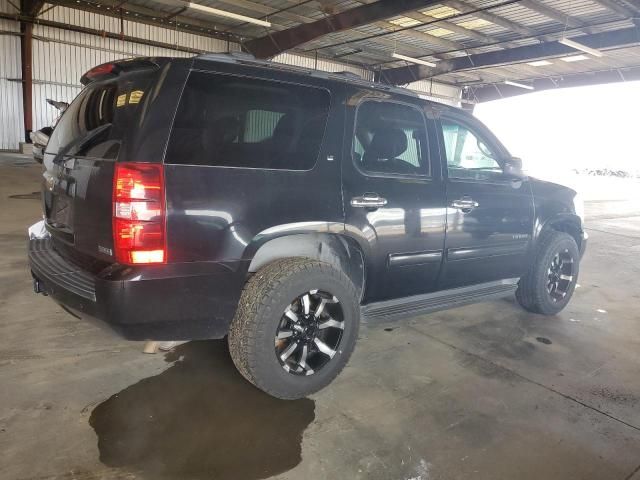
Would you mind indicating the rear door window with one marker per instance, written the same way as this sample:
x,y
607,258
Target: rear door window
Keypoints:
x,y
102,115
390,138
231,121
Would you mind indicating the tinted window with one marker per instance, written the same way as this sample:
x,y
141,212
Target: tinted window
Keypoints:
x,y
98,120
390,138
468,155
231,121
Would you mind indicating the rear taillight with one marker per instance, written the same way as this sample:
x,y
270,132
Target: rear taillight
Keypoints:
x,y
139,213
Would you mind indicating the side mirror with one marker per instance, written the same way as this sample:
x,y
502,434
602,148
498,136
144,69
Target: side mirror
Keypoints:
x,y
513,167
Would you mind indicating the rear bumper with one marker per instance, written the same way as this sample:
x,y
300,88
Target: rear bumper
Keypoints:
x,y
166,302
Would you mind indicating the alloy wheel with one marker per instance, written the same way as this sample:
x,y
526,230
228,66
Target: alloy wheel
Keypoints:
x,y
560,275
309,332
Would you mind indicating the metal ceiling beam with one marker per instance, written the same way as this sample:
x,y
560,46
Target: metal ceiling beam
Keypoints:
x,y
31,8
452,27
278,42
554,14
491,17
150,16
603,40
615,7
495,92
422,36
632,4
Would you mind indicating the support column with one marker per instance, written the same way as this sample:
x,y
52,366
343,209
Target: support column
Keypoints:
x,y
26,43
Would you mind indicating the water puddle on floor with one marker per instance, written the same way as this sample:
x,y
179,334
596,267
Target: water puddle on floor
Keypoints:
x,y
200,419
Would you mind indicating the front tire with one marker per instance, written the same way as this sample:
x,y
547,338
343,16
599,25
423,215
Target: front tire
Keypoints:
x,y
549,285
295,327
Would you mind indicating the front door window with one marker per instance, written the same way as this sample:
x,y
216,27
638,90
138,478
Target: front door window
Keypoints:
x,y
468,155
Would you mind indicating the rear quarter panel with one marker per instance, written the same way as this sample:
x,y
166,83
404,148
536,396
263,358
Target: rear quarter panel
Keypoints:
x,y
224,214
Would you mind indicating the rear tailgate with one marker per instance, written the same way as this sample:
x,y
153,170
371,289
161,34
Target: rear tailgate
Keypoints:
x,y
109,121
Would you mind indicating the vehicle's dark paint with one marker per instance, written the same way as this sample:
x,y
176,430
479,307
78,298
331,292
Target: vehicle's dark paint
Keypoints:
x,y
218,213
404,239
333,248
77,192
224,223
170,302
491,241
553,204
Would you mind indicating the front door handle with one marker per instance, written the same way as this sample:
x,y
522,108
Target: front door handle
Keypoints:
x,y
465,204
368,200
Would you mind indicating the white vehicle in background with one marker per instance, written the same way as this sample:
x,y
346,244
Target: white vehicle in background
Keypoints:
x,y
40,138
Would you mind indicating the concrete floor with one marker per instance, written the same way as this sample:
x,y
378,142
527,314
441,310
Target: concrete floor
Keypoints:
x,y
484,392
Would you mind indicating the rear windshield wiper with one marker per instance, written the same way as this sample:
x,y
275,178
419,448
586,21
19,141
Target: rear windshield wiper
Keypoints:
x,y
79,143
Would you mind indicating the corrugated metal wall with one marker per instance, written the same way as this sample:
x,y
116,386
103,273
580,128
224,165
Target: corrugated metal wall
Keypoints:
x,y
10,82
61,56
321,64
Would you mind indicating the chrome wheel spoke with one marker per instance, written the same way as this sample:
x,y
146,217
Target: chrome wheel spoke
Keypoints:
x,y
320,308
282,334
290,315
289,350
306,304
331,323
324,348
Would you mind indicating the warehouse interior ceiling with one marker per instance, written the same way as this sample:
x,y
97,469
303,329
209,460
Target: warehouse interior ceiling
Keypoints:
x,y
476,45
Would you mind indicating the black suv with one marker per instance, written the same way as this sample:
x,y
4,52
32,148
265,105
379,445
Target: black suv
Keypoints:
x,y
221,195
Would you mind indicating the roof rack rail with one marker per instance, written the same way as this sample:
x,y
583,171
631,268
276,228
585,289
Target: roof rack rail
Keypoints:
x,y
347,73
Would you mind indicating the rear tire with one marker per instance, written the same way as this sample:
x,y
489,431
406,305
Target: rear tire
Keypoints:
x,y
551,280
289,358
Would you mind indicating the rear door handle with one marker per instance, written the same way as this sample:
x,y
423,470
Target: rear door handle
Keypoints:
x,y
466,204
368,200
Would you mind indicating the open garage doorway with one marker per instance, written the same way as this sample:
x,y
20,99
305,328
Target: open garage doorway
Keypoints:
x,y
584,137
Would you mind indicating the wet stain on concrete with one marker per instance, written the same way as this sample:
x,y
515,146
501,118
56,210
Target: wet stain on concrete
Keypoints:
x,y
486,368
616,396
544,340
26,196
200,419
501,338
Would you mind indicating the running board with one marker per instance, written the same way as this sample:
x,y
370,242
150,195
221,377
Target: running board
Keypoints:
x,y
432,302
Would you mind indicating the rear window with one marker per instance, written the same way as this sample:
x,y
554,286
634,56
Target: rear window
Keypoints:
x,y
231,121
101,116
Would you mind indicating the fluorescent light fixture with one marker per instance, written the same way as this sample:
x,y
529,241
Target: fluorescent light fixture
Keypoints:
x,y
540,63
439,32
583,48
413,60
574,58
473,24
519,85
405,22
222,13
440,12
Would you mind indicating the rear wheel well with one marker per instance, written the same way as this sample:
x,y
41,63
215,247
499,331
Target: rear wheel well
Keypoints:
x,y
337,250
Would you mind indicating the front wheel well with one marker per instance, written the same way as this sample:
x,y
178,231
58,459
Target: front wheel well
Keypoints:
x,y
337,250
568,226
